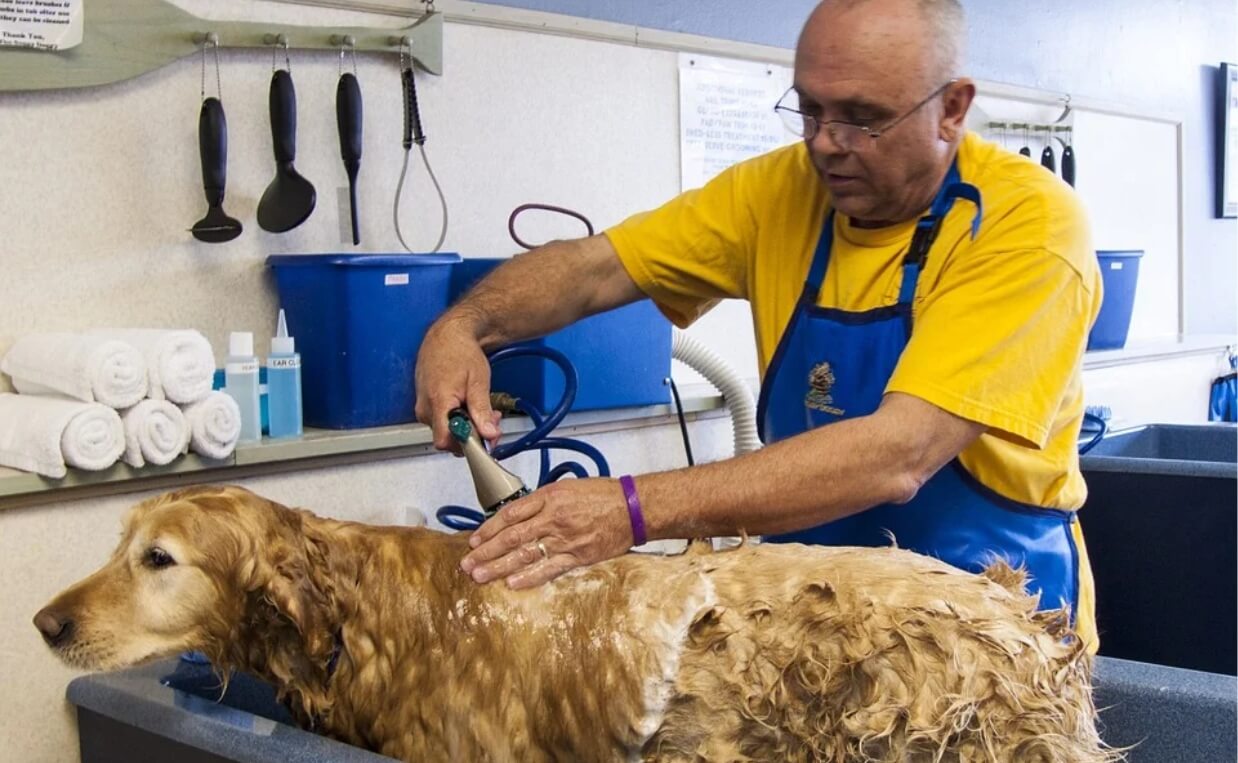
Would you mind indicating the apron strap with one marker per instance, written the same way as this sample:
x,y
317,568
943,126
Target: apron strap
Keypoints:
x,y
922,240
820,258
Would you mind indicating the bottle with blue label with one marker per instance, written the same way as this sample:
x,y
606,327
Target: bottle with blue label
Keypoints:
x,y
241,383
283,384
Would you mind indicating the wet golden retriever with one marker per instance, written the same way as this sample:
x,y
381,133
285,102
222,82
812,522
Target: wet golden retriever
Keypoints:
x,y
775,653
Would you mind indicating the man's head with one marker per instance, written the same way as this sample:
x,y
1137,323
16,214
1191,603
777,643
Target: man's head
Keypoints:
x,y
870,63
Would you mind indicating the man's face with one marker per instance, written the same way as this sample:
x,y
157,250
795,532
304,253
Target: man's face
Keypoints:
x,y
869,65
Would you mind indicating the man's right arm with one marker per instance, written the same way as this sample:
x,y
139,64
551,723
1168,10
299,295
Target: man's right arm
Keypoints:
x,y
531,295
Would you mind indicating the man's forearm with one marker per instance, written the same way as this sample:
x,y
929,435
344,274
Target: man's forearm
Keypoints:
x,y
544,290
808,480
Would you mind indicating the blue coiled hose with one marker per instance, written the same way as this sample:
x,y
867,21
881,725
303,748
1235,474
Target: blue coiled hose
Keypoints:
x,y
464,518
1101,431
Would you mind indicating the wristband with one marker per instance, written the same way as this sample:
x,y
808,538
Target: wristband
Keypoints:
x,y
634,510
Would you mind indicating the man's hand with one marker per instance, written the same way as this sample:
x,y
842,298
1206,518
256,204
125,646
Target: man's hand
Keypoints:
x,y
452,372
560,527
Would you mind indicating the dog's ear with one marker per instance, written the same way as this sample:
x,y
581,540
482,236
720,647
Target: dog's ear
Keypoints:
x,y
294,587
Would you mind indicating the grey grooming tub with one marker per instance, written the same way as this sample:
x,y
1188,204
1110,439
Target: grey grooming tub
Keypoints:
x,y
1173,715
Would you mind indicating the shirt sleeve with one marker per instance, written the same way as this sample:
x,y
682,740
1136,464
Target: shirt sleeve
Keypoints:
x,y
999,340
694,250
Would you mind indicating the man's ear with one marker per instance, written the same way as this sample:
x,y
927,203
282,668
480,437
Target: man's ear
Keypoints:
x,y
957,101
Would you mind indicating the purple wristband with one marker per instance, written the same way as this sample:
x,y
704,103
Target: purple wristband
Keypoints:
x,y
634,513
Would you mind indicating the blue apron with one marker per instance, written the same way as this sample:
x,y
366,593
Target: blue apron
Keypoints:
x,y
834,364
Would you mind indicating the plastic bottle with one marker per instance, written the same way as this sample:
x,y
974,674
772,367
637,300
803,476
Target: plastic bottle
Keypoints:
x,y
283,384
241,383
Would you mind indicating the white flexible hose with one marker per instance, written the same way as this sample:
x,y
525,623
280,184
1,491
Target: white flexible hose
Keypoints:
x,y
735,393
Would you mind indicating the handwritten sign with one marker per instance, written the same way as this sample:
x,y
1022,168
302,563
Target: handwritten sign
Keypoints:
x,y
43,24
726,114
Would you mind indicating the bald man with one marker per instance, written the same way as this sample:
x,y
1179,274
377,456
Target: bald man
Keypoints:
x,y
921,300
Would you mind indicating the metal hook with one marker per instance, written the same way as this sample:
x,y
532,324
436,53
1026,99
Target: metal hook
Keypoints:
x,y
1065,111
276,40
346,43
406,51
211,39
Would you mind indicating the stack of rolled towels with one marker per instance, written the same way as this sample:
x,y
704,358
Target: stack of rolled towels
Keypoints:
x,y
89,399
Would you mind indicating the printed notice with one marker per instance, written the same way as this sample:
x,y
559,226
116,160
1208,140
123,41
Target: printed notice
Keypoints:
x,y
43,24
726,114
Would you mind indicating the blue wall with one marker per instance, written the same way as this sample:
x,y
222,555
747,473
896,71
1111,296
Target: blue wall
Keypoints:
x,y
1147,53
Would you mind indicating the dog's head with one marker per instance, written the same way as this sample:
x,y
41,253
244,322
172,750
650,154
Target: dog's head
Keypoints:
x,y
204,568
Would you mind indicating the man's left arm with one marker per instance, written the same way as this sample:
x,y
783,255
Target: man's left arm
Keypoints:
x,y
807,480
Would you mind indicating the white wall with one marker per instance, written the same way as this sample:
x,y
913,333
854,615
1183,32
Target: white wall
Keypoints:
x,y
1169,391
101,185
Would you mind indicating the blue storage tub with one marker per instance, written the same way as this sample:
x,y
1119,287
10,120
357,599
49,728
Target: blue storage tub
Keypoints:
x,y
622,356
1120,273
358,321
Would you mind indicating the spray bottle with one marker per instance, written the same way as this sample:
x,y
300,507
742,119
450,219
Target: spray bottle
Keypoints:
x,y
284,384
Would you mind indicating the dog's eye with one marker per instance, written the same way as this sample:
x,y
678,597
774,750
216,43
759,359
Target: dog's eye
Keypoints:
x,y
157,558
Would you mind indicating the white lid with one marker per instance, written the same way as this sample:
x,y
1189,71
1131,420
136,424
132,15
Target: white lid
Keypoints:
x,y
241,344
281,343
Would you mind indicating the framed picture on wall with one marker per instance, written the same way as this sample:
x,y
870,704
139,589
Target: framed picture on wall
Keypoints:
x,y
1227,142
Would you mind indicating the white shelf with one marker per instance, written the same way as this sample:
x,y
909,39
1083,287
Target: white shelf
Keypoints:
x,y
325,446
1159,349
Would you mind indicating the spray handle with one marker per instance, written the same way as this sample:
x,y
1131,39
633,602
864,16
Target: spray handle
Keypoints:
x,y
495,485
460,425
412,113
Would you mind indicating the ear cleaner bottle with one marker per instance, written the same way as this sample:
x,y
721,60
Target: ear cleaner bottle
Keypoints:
x,y
241,383
284,384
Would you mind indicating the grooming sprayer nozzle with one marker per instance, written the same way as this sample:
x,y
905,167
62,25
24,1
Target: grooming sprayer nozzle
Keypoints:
x,y
495,485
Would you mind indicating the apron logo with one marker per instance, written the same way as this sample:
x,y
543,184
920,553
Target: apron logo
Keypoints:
x,y
820,382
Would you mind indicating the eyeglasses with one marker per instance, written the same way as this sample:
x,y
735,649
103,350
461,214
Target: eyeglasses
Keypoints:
x,y
846,135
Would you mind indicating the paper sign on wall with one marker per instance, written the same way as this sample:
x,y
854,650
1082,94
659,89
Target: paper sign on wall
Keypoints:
x,y
43,24
726,114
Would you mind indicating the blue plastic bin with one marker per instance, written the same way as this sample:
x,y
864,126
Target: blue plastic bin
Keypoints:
x,y
358,321
1120,273
621,356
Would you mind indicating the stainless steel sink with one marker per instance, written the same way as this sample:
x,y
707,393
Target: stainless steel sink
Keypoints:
x,y
1200,450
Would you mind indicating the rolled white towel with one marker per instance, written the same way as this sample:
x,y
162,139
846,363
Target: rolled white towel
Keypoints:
x,y
180,364
155,432
214,425
93,369
43,434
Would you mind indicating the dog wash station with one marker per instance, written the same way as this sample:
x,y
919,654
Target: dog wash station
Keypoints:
x,y
1164,682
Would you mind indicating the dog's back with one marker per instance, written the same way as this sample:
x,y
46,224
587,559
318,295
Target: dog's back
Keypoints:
x,y
832,654
776,653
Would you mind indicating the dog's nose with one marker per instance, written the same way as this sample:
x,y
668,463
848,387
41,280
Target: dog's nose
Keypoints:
x,y
56,627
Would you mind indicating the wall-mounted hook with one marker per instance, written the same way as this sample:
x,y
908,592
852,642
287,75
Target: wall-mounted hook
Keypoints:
x,y
276,41
1065,110
347,44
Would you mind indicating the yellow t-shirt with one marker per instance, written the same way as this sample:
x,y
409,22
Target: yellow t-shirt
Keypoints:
x,y
1000,323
